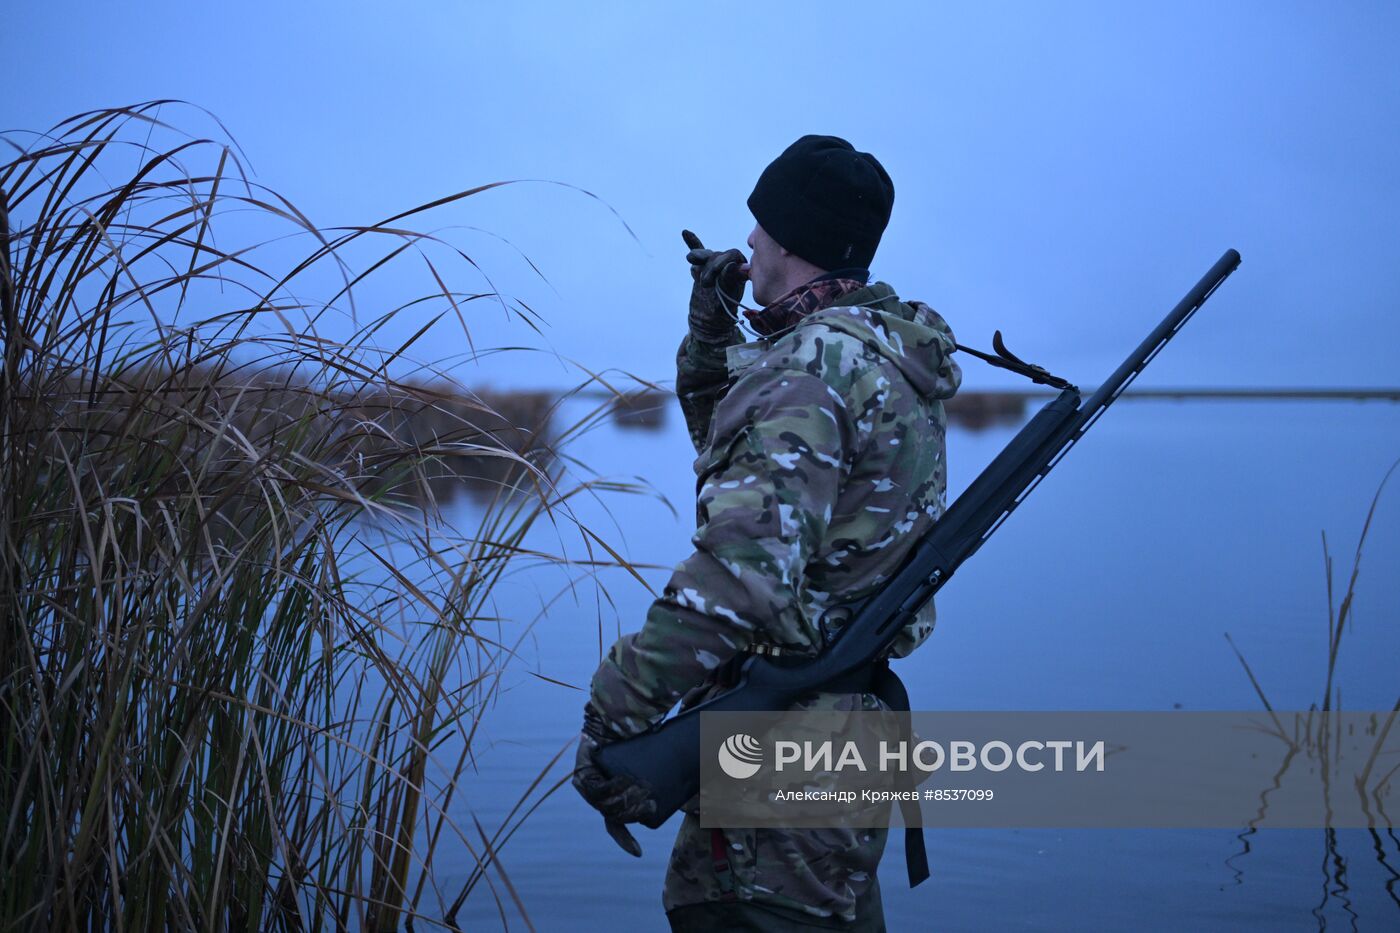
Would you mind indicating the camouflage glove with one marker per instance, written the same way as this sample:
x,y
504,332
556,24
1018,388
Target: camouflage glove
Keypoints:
x,y
718,289
619,799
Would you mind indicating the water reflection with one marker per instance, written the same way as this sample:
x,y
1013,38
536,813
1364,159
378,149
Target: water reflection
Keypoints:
x,y
1315,745
1316,742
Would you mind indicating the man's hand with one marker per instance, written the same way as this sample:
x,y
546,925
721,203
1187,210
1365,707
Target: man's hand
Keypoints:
x,y
718,289
619,799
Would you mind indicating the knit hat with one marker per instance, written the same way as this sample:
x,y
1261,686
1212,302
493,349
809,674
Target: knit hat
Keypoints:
x,y
824,201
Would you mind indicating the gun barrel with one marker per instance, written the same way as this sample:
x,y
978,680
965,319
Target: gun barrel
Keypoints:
x,y
1113,386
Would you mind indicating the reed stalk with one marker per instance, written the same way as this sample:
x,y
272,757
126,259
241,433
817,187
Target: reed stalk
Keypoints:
x,y
242,652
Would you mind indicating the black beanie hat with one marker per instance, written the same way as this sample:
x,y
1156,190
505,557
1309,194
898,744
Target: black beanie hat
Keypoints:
x,y
824,201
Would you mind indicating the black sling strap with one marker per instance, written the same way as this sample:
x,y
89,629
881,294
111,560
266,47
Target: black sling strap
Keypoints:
x,y
881,680
886,685
1005,359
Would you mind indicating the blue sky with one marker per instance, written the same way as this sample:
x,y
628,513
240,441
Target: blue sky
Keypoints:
x,y
1063,171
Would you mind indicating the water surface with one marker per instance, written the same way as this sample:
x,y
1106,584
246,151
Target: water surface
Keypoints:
x,y
1111,588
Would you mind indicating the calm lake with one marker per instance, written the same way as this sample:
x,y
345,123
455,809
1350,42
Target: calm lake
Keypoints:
x,y
1111,588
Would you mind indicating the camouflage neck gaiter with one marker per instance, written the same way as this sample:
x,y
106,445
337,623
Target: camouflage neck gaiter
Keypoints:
x,y
803,300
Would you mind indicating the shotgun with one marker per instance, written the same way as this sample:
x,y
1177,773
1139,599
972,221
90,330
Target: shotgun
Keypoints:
x,y
666,759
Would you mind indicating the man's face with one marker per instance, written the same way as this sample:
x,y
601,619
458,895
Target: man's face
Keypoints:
x,y
764,266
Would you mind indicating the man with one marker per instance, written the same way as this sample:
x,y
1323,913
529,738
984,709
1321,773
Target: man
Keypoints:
x,y
821,461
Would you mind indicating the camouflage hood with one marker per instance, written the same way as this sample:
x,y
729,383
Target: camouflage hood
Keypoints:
x,y
911,335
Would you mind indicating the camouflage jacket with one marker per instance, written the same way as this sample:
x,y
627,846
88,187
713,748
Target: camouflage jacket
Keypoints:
x,y
821,460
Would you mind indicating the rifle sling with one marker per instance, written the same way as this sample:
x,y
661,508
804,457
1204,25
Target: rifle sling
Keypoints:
x,y
881,680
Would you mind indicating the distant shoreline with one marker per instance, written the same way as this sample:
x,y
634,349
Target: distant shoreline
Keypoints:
x,y
979,409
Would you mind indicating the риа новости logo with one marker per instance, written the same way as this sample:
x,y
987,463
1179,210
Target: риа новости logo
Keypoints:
x,y
740,756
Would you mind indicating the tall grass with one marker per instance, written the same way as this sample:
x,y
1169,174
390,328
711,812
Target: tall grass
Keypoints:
x,y
1315,739
1340,617
239,639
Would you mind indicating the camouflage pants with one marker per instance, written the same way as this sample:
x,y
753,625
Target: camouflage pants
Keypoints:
x,y
745,916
